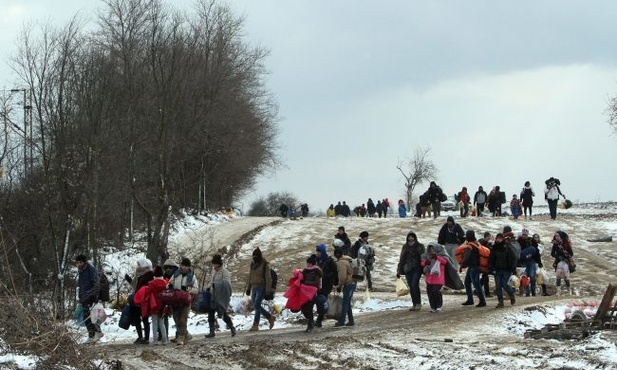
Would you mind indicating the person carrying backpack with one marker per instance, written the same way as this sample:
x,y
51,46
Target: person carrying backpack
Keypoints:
x,y
259,284
362,250
88,283
551,194
410,265
347,285
328,280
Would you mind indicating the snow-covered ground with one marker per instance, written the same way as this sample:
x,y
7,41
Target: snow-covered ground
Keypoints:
x,y
507,327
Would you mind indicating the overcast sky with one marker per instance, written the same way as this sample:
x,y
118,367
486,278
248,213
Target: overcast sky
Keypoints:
x,y
501,92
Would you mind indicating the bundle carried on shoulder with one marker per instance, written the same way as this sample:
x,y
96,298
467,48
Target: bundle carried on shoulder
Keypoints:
x,y
484,252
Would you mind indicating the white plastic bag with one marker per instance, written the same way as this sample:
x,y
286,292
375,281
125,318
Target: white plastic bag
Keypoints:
x,y
97,314
436,268
401,288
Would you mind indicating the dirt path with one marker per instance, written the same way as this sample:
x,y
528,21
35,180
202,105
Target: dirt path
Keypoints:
x,y
392,339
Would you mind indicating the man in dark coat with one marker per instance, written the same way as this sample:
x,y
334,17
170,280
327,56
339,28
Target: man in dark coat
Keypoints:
x,y
88,282
451,235
329,279
502,263
471,261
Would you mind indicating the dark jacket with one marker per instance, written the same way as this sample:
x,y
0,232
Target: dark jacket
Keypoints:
x,y
312,276
451,235
502,258
410,258
471,258
88,282
329,271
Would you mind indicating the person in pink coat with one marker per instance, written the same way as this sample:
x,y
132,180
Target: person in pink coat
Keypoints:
x,y
434,280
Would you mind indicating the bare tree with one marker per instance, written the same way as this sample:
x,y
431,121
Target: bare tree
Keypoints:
x,y
417,170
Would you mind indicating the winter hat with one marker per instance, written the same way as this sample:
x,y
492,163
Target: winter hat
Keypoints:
x,y
470,235
450,218
525,232
338,252
312,259
364,234
144,263
217,259
170,263
507,229
321,248
185,262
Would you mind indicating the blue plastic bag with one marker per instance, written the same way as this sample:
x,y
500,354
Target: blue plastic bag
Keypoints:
x,y
78,315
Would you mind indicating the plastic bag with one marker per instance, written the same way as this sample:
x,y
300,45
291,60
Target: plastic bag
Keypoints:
x,y
513,281
335,306
401,288
540,277
435,268
78,315
97,314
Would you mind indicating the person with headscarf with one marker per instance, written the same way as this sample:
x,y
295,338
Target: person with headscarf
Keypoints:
x,y
144,275
410,265
435,276
329,279
220,296
259,283
562,252
311,276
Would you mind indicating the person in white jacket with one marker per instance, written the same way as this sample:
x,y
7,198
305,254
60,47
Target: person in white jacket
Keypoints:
x,y
551,194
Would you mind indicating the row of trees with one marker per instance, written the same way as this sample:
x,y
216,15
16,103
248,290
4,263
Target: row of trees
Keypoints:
x,y
150,111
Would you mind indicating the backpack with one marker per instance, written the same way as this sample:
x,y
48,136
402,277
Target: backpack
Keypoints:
x,y
442,197
274,278
484,252
358,269
367,254
103,287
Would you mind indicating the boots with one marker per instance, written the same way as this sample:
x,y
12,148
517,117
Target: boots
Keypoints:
x,y
255,327
481,304
211,334
180,340
319,320
309,326
500,304
512,298
230,325
271,321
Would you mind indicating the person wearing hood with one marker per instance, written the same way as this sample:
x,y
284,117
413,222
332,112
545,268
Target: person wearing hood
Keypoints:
x,y
527,195
346,285
148,298
451,235
259,283
502,263
312,276
479,200
329,279
463,200
562,252
220,296
435,276
144,275
363,250
183,279
410,265
471,261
